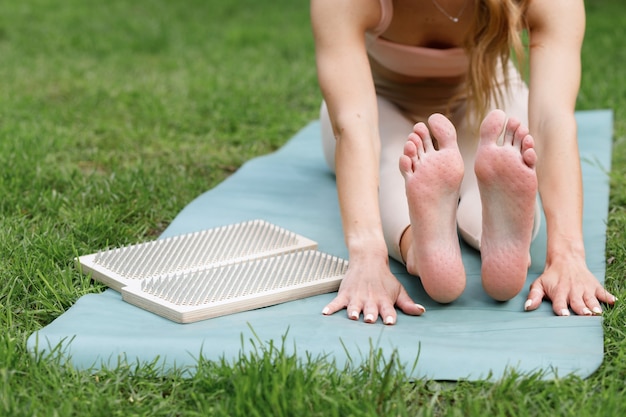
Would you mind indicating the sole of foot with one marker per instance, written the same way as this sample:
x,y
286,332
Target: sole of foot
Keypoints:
x,y
433,176
508,186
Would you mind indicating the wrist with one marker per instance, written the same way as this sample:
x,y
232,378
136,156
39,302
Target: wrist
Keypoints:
x,y
368,248
565,248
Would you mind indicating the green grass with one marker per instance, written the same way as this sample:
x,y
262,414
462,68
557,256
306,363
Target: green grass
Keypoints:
x,y
114,115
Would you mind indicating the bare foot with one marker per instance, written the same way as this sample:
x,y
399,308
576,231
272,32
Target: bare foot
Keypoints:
x,y
433,178
508,186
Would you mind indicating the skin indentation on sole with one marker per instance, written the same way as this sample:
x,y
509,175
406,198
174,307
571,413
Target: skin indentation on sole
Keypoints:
x,y
433,178
508,187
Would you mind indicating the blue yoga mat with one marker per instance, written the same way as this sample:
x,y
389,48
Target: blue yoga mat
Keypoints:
x,y
473,338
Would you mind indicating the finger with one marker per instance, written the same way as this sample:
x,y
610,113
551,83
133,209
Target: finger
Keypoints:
x,y
591,301
408,306
559,304
601,295
354,310
558,296
578,304
389,315
535,296
604,296
370,313
338,303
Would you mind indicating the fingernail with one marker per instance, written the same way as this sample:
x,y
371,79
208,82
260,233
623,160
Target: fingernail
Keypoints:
x,y
354,315
421,307
597,310
565,312
369,318
527,304
389,320
325,310
587,312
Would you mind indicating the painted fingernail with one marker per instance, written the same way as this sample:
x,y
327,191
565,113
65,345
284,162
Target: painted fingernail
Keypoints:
x,y
369,318
389,320
325,310
587,312
565,312
597,310
527,304
354,315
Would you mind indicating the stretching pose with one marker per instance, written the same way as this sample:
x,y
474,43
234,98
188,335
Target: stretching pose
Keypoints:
x,y
424,122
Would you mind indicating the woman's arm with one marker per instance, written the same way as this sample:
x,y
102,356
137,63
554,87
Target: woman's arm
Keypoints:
x,y
346,83
556,33
345,79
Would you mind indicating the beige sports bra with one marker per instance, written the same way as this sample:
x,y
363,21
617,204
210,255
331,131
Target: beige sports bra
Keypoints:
x,y
413,61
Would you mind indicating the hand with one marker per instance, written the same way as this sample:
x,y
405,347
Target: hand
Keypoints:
x,y
568,282
370,288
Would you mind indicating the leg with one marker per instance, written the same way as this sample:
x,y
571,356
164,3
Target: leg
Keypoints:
x,y
433,177
508,186
394,127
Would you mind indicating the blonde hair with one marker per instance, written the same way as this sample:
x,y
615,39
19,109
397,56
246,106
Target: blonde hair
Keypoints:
x,y
496,32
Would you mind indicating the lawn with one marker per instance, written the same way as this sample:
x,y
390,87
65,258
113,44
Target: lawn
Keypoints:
x,y
114,115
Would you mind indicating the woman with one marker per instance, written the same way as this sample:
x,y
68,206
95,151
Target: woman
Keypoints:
x,y
436,71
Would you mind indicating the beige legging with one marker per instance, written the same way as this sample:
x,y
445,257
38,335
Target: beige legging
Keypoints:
x,y
394,126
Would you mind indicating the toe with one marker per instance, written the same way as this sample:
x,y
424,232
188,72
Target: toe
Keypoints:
x,y
443,130
409,159
511,132
416,140
406,165
422,132
528,152
520,135
492,126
